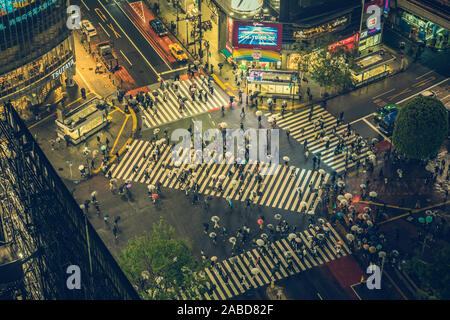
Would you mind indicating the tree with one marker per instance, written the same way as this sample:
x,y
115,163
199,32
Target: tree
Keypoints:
x,y
432,273
420,128
161,265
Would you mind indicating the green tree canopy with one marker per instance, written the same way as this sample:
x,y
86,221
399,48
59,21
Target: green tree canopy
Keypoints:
x,y
160,262
420,128
432,273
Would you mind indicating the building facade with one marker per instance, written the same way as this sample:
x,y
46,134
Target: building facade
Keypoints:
x,y
36,51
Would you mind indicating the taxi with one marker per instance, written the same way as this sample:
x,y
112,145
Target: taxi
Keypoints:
x,y
177,52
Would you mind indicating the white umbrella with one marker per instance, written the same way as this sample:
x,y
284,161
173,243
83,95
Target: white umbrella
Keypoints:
x,y
320,236
213,258
382,254
82,206
372,157
311,212
344,202
340,197
156,131
350,237
255,271
258,113
277,216
81,167
145,275
292,236
374,140
260,242
234,182
264,236
215,219
177,163
348,196
321,221
303,204
229,198
326,138
212,234
223,125
285,158
318,199
232,240
369,223
341,183
362,186
270,226
321,171
354,228
222,177
366,216
151,187
373,194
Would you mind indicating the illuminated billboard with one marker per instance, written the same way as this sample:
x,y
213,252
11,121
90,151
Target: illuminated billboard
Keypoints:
x,y
254,35
8,6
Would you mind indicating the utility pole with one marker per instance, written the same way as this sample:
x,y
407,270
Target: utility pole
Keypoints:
x,y
200,24
360,24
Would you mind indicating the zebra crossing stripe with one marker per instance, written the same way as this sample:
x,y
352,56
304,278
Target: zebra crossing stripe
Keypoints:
x,y
293,254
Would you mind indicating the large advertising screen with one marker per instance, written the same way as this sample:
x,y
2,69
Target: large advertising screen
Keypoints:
x,y
8,6
257,35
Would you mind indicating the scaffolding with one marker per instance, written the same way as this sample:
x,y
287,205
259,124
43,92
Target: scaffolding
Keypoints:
x,y
46,228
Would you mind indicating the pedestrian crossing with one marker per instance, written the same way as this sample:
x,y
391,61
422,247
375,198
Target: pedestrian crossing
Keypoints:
x,y
287,188
302,127
275,261
168,111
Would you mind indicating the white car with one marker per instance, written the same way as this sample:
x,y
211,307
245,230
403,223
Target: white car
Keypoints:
x,y
88,28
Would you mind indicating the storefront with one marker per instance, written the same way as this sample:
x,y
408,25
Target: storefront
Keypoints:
x,y
369,41
422,30
372,67
273,83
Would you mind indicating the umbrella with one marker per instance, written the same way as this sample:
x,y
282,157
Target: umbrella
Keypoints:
x,y
270,226
428,212
326,138
229,198
151,187
369,223
350,237
395,252
354,228
223,125
340,243
362,186
373,194
255,271
287,254
260,221
311,212
285,158
318,199
258,113
156,131
429,219
365,216
103,148
379,246
382,254
222,177
340,183
372,249
212,234
81,167
359,231
320,236
292,236
340,197
277,216
82,206
155,196
298,240
303,204
326,229
232,240
366,246
348,196
321,221
177,163
264,236
129,186
234,182
372,157
213,258
215,219
228,154
321,171
340,214
344,202
260,242
366,209
421,220
374,140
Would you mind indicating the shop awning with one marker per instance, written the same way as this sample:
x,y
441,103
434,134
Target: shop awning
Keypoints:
x,y
226,53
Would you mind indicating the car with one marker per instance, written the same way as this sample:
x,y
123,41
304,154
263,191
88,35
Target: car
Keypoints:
x,y
88,28
384,111
158,27
177,52
387,122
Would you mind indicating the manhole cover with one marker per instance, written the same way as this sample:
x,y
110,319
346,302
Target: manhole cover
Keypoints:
x,y
60,169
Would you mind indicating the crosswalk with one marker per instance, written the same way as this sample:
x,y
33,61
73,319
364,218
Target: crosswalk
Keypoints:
x,y
168,111
302,128
227,276
280,189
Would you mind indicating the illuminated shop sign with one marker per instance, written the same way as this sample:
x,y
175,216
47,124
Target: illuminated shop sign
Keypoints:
x,y
31,13
257,35
368,33
317,31
8,6
349,43
246,6
60,71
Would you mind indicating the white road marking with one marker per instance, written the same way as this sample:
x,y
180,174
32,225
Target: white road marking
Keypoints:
x,y
357,120
126,57
424,75
174,70
320,297
383,93
104,29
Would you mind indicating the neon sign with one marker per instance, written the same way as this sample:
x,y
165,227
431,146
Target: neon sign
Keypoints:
x,y
29,14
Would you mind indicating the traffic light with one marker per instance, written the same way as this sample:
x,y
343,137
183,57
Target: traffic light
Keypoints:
x,y
83,93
